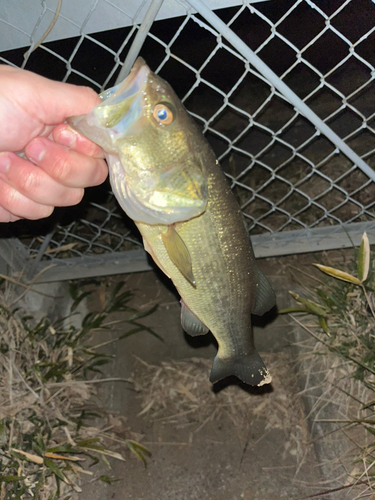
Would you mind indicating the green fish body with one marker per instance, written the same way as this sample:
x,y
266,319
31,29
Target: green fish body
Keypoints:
x,y
167,179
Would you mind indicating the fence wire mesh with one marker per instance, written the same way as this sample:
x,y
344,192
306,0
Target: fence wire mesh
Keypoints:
x,y
285,174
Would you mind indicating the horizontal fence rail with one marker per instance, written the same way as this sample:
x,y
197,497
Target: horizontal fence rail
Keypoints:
x,y
284,92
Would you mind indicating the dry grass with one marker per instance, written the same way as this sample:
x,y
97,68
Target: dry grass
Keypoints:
x,y
179,393
53,426
342,416
337,359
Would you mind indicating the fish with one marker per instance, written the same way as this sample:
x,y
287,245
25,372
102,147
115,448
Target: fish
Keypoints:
x,y
167,178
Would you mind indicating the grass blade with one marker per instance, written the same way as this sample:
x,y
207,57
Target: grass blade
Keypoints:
x,y
336,273
138,450
29,456
310,306
56,470
363,259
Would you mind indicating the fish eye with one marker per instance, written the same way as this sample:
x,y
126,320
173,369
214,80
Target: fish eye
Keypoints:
x,y
163,114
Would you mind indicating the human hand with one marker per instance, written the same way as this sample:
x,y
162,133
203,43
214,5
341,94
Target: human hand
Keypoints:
x,y
60,162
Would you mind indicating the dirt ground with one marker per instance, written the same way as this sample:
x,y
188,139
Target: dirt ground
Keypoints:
x,y
261,451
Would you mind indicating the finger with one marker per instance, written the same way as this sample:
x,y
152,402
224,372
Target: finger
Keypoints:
x,y
6,216
51,101
65,135
34,183
15,205
66,99
66,166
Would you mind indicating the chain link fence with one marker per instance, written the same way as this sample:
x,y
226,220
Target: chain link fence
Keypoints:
x,y
247,75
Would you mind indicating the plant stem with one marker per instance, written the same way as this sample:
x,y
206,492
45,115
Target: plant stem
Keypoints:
x,y
368,301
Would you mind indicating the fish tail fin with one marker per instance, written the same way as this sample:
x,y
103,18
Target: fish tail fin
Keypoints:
x,y
249,369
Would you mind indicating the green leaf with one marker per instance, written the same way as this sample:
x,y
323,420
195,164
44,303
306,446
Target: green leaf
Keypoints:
x,y
370,429
78,300
144,314
38,445
56,470
11,479
73,290
94,458
117,301
139,451
103,451
105,461
336,273
65,448
129,333
363,258
310,306
289,310
92,320
368,405
323,324
146,329
93,364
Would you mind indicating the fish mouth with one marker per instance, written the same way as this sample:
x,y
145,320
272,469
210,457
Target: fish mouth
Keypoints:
x,y
118,100
119,112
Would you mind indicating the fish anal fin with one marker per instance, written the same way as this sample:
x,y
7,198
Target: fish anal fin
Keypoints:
x,y
178,253
190,323
265,296
248,368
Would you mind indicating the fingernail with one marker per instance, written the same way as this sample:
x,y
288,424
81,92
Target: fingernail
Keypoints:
x,y
36,151
67,138
4,163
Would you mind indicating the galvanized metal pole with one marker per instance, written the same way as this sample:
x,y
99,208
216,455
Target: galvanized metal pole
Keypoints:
x,y
233,39
139,39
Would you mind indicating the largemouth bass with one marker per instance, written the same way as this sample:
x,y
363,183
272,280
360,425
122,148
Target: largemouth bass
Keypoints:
x,y
166,177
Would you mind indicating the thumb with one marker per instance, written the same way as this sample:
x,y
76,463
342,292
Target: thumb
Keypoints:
x,y
45,100
64,99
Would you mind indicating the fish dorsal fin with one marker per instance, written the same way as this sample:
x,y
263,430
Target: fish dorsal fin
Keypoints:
x,y
178,253
265,296
190,323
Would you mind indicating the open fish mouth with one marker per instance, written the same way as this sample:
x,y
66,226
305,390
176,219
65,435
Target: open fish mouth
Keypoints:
x,y
119,112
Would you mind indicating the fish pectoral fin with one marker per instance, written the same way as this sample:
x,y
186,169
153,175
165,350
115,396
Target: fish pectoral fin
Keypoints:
x,y
178,253
248,368
190,323
265,296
